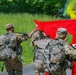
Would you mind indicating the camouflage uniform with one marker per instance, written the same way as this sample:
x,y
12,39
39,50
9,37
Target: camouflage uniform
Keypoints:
x,y
14,65
34,37
69,50
62,34
38,35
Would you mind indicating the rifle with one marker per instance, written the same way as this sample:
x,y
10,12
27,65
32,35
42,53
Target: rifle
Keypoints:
x,y
47,61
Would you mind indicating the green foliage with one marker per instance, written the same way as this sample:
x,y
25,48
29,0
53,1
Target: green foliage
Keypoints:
x,y
31,6
69,38
52,6
46,6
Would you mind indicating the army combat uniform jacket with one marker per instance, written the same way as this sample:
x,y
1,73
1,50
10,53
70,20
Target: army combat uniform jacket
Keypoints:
x,y
69,50
14,64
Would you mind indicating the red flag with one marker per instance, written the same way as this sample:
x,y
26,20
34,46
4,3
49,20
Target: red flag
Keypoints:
x,y
50,27
74,68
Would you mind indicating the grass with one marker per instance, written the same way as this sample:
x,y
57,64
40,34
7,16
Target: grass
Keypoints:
x,y
23,23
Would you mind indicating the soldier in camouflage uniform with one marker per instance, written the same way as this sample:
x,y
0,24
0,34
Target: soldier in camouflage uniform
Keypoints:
x,y
37,34
62,34
14,65
69,50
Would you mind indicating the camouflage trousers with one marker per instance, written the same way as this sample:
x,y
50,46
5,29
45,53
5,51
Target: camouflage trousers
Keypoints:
x,y
61,72
36,72
13,67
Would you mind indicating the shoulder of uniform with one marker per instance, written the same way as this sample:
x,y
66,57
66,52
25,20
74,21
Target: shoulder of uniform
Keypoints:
x,y
17,34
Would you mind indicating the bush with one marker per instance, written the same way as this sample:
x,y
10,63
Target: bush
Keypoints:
x,y
33,6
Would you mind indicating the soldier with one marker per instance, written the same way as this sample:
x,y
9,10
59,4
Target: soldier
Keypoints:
x,y
37,34
69,50
62,34
13,64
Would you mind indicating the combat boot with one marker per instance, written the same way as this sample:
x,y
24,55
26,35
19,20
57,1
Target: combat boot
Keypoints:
x,y
18,73
11,72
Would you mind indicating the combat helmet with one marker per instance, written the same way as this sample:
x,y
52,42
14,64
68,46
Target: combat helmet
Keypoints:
x,y
61,33
8,26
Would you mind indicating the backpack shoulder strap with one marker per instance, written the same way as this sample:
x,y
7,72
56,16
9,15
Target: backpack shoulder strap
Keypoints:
x,y
42,43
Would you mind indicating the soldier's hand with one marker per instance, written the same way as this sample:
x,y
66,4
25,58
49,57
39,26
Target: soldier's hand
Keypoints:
x,y
30,35
25,35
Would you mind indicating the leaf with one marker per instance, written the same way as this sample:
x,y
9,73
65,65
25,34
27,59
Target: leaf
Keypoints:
x,y
69,38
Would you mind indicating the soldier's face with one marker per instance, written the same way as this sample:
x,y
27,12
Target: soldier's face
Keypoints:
x,y
63,37
12,29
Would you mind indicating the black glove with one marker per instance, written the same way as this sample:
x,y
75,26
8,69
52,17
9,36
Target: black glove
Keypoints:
x,y
25,35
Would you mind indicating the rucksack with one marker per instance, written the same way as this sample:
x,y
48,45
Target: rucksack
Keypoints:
x,y
5,51
49,54
8,40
